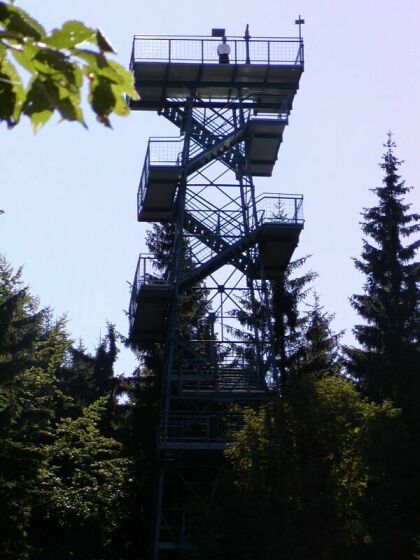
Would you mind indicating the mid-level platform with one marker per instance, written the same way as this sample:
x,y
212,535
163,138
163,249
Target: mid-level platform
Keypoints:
x,y
162,169
277,243
159,179
149,306
198,430
167,68
281,222
266,136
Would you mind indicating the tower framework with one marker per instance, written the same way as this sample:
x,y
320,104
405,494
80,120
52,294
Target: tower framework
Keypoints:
x,y
227,243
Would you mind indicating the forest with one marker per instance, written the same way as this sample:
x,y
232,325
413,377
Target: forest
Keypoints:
x,y
330,462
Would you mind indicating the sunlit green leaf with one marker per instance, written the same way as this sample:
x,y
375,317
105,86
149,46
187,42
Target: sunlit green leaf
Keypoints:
x,y
40,118
69,108
94,59
45,96
59,67
25,56
120,108
71,34
121,76
38,104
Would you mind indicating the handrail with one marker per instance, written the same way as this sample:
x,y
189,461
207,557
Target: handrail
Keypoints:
x,y
143,276
264,50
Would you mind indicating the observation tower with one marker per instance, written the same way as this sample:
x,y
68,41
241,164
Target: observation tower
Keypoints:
x,y
227,243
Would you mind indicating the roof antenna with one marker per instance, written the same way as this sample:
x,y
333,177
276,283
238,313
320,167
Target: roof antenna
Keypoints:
x,y
247,37
300,22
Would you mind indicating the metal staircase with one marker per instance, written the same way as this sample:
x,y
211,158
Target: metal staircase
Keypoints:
x,y
228,243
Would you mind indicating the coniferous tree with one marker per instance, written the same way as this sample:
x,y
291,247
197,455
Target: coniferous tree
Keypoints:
x,y
62,477
301,462
193,306
286,297
82,490
288,294
32,347
387,363
320,353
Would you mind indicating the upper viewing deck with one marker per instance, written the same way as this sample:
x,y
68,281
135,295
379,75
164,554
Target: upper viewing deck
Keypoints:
x,y
167,68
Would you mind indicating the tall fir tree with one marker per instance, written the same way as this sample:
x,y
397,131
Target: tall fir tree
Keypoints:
x,y
387,363
287,296
32,347
320,352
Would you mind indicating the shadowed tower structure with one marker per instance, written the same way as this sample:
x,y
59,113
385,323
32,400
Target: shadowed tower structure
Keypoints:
x,y
227,241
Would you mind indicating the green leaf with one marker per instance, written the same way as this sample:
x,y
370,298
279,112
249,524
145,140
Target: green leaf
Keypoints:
x,y
103,43
71,34
59,67
12,93
45,96
120,108
38,106
16,19
69,108
123,77
92,58
24,56
102,99
39,118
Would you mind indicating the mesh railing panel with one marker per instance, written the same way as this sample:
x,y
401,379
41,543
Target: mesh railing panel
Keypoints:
x,y
255,51
165,151
276,208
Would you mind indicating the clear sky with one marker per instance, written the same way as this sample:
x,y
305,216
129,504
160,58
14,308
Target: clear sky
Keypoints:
x,y
70,194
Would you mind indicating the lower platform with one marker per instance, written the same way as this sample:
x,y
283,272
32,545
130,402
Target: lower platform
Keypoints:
x,y
157,193
151,312
277,243
265,138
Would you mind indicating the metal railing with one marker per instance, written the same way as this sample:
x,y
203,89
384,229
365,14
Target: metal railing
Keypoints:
x,y
147,273
258,50
228,223
280,208
162,152
199,428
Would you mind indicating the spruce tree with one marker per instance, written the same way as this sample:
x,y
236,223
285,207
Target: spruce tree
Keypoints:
x,y
287,295
387,363
32,347
320,351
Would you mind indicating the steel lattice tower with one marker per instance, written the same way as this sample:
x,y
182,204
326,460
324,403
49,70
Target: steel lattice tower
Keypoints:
x,y
228,242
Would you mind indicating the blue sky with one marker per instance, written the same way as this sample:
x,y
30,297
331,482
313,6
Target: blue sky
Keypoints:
x,y
70,194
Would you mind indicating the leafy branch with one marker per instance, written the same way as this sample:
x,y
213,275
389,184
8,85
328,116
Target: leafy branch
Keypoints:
x,y
54,66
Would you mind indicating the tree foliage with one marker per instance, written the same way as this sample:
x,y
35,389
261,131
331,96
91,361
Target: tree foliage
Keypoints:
x,y
42,73
62,471
387,362
82,489
300,464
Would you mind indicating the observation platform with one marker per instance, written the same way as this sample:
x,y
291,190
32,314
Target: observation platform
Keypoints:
x,y
167,68
149,304
266,136
189,431
281,221
159,179
277,243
